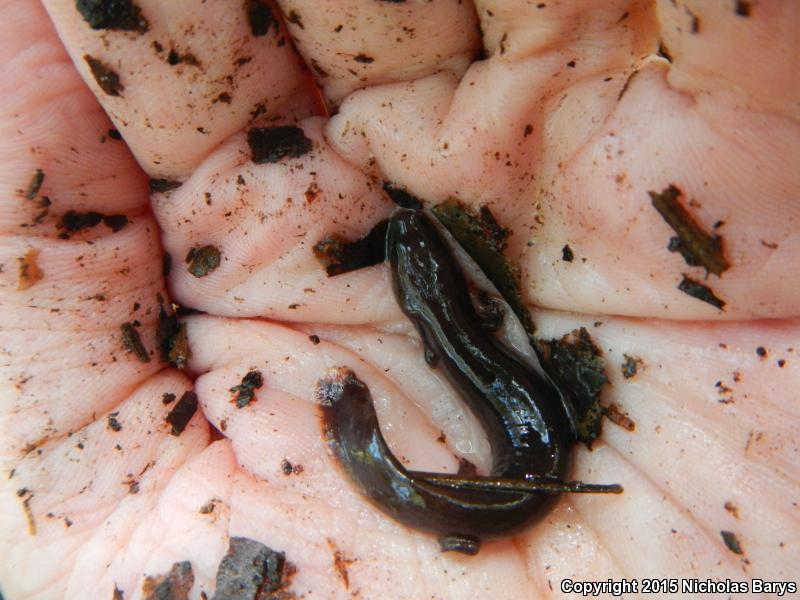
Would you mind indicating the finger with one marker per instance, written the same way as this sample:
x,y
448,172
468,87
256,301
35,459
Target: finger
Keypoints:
x,y
189,75
73,216
350,44
263,221
598,126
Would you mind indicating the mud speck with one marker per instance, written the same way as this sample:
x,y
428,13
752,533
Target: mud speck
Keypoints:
x,y
106,77
174,585
272,144
203,260
28,270
181,413
251,570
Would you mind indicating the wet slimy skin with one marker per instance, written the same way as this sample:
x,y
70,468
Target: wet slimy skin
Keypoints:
x,y
525,420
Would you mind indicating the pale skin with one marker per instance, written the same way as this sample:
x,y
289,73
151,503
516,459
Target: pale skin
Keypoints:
x,y
549,128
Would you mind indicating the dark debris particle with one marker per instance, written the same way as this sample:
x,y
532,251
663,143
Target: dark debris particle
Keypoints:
x,y
272,144
118,594
163,185
35,184
294,18
732,509
743,8
567,255
72,221
166,264
576,366
115,135
341,562
314,339
466,468
286,467
338,255
182,412
173,339
400,196
181,58
29,272
174,585
318,68
245,391
105,76
133,343
208,507
617,416
702,292
761,351
113,423
115,222
732,542
485,241
203,260
631,365
363,59
697,247
252,570
260,17
122,15
168,398
781,362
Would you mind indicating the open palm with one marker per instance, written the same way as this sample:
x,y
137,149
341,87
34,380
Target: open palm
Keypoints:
x,y
566,119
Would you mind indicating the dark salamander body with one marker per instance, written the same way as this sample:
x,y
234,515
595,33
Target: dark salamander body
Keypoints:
x,y
524,418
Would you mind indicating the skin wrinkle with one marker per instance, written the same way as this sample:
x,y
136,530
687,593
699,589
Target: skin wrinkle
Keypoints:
x,y
667,495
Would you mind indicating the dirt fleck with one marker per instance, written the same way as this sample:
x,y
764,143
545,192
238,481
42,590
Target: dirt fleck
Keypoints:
x,y
250,570
35,184
401,196
173,339
466,468
732,542
163,185
29,272
288,468
245,391
576,365
762,352
341,562
118,594
618,417
27,495
294,18
174,585
698,248
743,8
314,339
339,255
363,59
566,254
121,15
272,144
168,398
631,366
181,413
133,343
208,507
113,423
700,291
203,260
106,77
732,509
260,17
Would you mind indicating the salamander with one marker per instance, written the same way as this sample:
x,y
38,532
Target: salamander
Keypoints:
x,y
525,418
